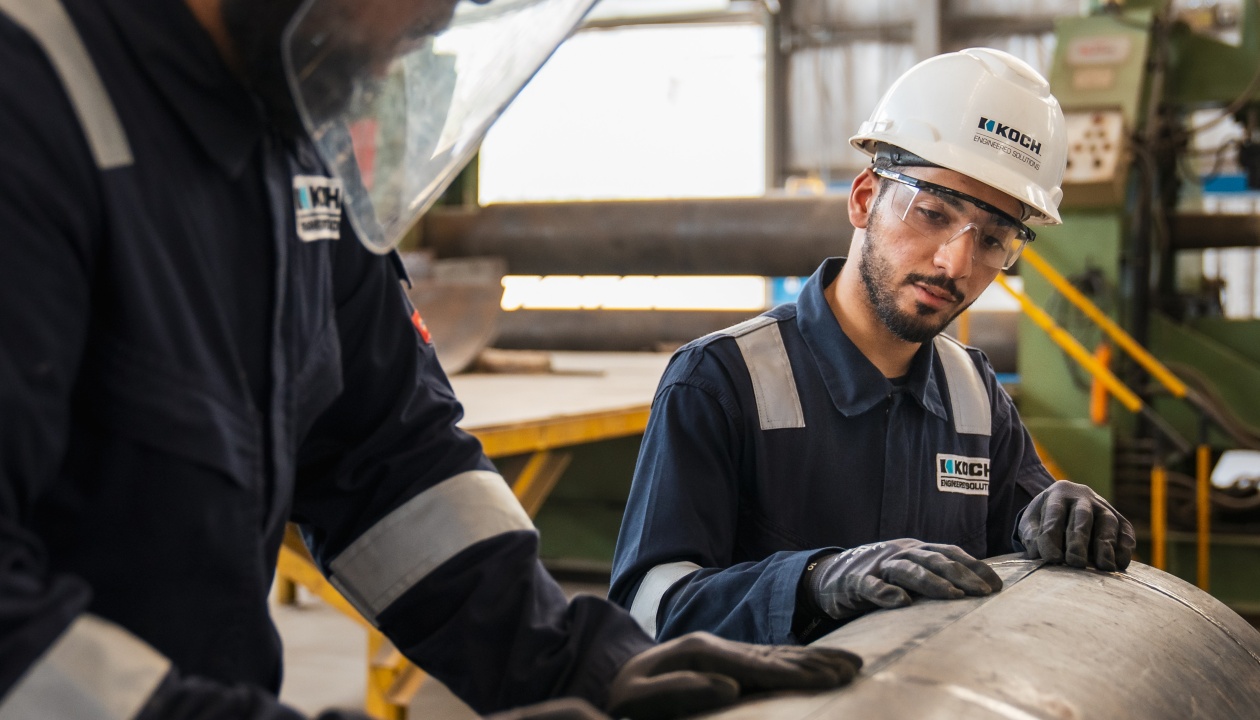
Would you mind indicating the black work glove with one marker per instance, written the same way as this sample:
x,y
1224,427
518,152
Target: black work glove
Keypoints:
x,y
190,697
569,708
699,672
1070,523
883,574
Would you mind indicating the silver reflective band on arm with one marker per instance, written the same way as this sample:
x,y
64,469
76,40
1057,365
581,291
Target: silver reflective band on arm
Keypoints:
x,y
95,671
48,24
426,531
968,397
774,386
657,582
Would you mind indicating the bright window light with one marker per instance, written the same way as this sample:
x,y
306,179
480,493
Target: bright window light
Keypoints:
x,y
634,292
654,111
628,9
681,292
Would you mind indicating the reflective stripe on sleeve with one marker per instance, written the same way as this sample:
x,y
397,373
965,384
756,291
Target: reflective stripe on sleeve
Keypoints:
x,y
657,582
774,386
968,396
426,531
95,671
47,22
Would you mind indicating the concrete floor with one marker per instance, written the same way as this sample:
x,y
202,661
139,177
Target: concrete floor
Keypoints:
x,y
325,656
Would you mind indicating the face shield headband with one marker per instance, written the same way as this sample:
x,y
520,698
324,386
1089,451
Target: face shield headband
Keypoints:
x,y
398,94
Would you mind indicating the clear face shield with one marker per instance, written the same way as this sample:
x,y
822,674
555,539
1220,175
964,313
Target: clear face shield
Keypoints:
x,y
942,215
397,94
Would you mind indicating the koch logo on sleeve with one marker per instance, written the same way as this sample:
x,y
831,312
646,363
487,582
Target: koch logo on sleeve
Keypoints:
x,y
317,207
966,475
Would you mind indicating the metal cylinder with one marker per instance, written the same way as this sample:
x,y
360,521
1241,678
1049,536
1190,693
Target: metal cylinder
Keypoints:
x,y
1056,642
772,236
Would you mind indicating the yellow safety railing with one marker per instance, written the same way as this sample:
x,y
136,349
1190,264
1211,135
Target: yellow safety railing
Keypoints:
x,y
1175,387
1126,342
1072,347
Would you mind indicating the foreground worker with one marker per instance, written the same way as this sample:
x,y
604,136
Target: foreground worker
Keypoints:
x,y
195,348
838,454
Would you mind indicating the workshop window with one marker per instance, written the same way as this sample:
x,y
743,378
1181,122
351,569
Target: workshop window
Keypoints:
x,y
633,112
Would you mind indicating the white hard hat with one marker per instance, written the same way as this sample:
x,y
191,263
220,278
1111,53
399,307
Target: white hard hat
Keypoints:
x,y
983,113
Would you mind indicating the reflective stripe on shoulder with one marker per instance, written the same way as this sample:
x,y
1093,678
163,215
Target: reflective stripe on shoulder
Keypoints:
x,y
774,387
968,397
657,582
95,671
422,534
47,22
747,326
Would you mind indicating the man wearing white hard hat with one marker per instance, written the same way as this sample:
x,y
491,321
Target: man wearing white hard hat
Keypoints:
x,y
203,336
839,454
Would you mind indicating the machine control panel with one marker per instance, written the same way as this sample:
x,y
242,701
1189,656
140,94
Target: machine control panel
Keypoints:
x,y
1096,161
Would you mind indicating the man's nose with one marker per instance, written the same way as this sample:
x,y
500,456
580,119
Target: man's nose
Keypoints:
x,y
955,256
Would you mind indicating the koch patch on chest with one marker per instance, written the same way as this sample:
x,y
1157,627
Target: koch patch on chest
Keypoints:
x,y
317,207
958,474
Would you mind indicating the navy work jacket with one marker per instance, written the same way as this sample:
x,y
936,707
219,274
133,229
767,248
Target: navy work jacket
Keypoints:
x,y
744,475
181,373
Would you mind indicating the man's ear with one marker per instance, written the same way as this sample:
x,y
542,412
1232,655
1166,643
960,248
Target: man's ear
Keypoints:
x,y
862,198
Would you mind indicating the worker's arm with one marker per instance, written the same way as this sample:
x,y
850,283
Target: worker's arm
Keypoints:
x,y
674,564
57,660
415,526
47,204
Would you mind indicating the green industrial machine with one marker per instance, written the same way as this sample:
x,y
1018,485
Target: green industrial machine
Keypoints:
x,y
1128,76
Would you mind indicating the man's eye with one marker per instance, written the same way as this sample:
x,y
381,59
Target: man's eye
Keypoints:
x,y
931,216
991,242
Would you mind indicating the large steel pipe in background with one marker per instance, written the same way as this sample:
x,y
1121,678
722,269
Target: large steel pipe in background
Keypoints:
x,y
771,236
662,330
1056,643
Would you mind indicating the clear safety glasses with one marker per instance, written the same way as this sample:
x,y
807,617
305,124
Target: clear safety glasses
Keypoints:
x,y
941,215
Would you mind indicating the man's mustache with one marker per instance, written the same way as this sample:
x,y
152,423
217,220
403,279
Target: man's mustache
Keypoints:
x,y
940,281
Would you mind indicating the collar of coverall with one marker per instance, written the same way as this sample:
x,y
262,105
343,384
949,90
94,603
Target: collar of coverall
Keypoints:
x,y
177,55
854,383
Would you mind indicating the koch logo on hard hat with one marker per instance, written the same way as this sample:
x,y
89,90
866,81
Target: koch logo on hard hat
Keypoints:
x,y
1015,140
958,474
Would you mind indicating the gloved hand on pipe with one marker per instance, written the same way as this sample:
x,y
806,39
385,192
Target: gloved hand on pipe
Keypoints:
x,y
884,574
191,697
568,708
699,672
1070,523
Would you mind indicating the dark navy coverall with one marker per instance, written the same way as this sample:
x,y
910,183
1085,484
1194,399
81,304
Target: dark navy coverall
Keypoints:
x,y
180,374
744,476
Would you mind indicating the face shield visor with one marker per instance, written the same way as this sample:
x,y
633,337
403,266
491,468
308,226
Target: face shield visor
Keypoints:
x,y
398,94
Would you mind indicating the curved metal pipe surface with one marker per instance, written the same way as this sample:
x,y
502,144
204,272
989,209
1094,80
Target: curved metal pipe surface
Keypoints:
x,y
1056,643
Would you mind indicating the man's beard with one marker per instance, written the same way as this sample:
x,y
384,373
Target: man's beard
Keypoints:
x,y
881,290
